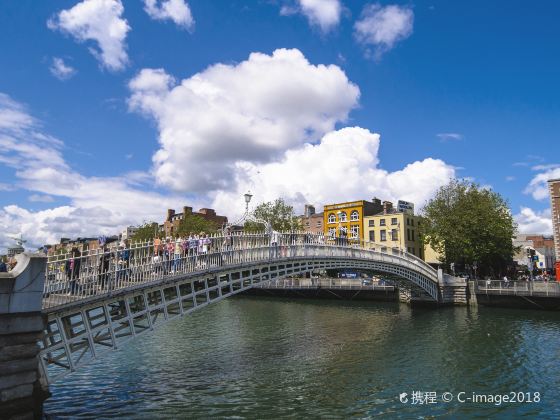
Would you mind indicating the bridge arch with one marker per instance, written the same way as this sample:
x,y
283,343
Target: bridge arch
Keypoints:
x,y
82,327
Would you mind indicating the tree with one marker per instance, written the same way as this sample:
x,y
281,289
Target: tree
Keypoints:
x,y
146,232
195,224
465,224
278,213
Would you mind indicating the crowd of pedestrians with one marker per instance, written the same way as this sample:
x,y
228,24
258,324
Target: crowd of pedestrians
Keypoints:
x,y
112,266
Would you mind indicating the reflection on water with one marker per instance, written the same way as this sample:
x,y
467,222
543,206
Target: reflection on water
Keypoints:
x,y
268,358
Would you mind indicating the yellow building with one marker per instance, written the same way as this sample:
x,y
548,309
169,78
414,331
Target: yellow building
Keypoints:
x,y
347,219
396,229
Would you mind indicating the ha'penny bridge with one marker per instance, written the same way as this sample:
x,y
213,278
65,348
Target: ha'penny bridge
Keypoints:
x,y
78,307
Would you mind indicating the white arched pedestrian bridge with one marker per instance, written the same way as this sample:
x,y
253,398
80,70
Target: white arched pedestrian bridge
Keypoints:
x,y
99,299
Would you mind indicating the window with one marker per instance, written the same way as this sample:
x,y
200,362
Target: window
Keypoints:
x,y
407,221
412,234
383,235
319,223
371,223
332,218
355,232
394,235
307,224
382,222
408,234
412,222
354,215
372,235
332,232
342,216
394,221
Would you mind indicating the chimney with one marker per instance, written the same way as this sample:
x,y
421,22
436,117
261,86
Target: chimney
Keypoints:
x,y
387,207
376,201
170,213
207,212
309,210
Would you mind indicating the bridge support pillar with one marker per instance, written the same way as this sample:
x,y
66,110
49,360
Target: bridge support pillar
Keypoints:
x,y
453,290
22,388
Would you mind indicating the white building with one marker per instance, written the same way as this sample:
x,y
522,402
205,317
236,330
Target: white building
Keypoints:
x,y
128,232
543,247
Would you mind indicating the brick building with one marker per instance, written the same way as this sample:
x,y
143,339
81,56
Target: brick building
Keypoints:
x,y
554,190
543,247
312,222
173,220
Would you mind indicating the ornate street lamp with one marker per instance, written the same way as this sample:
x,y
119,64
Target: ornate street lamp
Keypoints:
x,y
248,197
248,216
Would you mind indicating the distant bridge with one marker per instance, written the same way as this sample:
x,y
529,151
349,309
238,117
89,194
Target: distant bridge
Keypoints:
x,y
95,301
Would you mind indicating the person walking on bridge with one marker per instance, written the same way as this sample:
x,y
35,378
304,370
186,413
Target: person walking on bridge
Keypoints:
x,y
227,246
75,266
274,239
104,261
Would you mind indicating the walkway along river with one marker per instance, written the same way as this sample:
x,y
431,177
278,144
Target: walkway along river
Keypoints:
x,y
268,358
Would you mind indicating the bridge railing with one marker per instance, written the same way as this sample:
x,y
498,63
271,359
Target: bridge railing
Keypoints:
x,y
525,288
80,275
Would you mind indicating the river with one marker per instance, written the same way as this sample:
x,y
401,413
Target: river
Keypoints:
x,y
252,357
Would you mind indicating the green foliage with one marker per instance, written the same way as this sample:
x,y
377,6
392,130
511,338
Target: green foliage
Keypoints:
x,y
466,223
278,213
146,232
195,224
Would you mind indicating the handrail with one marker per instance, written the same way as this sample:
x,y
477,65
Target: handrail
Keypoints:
x,y
525,288
106,270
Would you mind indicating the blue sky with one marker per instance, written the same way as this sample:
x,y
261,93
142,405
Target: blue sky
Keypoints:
x,y
445,89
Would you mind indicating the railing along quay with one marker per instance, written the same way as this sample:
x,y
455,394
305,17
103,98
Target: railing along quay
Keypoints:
x,y
78,275
322,283
520,288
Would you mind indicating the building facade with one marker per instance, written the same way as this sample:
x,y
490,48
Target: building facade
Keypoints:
x,y
173,220
312,222
129,232
543,247
394,229
347,219
554,190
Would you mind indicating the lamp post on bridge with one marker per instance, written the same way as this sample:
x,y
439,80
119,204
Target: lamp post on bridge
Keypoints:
x,y
248,216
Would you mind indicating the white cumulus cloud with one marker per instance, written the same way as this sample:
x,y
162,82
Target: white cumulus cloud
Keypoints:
x,y
40,198
383,26
177,11
99,21
324,14
251,112
61,70
538,187
98,205
343,166
531,221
